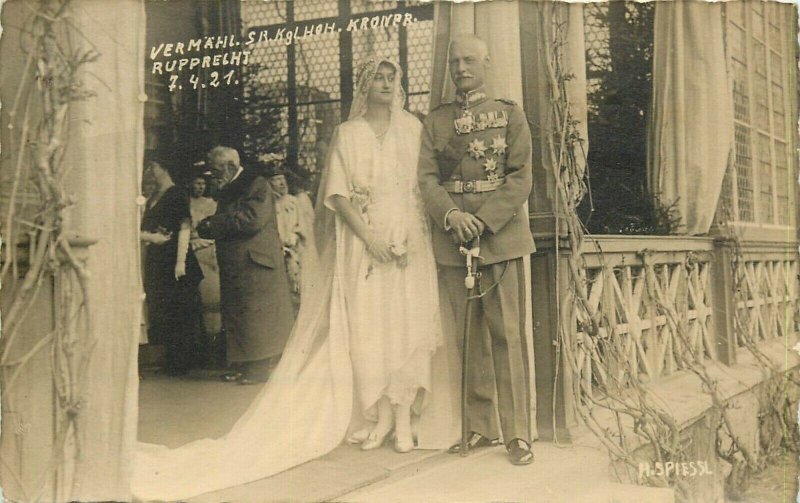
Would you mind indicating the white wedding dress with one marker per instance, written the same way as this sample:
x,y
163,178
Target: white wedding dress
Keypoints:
x,y
380,322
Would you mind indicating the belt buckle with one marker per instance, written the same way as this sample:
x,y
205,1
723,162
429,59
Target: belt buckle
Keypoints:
x,y
468,187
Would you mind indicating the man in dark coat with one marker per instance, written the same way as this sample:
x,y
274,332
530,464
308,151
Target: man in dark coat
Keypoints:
x,y
475,177
256,301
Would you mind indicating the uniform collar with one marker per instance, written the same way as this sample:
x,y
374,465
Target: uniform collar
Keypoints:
x,y
472,98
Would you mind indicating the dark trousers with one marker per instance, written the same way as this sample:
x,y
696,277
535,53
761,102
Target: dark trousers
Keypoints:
x,y
498,355
175,320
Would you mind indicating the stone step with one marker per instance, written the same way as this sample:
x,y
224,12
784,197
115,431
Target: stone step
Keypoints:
x,y
610,492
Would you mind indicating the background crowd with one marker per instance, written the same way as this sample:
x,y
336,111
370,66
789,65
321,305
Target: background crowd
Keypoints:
x,y
182,329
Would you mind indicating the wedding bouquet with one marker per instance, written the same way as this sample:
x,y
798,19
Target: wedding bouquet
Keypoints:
x,y
361,197
399,257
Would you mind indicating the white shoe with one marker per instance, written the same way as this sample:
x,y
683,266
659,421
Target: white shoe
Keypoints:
x,y
403,440
359,436
374,440
403,443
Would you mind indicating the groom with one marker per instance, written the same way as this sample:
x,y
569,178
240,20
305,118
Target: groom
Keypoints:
x,y
475,176
256,302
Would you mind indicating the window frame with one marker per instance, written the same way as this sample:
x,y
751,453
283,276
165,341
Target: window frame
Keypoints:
x,y
773,228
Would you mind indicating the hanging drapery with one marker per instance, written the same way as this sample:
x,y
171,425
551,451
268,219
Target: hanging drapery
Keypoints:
x,y
106,148
691,122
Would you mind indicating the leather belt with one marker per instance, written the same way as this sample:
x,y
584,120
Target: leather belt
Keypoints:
x,y
473,186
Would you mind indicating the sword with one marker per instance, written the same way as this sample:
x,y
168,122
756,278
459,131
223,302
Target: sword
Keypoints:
x,y
472,256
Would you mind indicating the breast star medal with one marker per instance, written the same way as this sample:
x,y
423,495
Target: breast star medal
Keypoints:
x,y
490,166
476,148
499,145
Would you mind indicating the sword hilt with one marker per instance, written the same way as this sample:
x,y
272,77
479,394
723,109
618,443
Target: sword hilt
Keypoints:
x,y
471,254
469,281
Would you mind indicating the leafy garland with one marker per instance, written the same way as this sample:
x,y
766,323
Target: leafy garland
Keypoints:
x,y
49,84
633,399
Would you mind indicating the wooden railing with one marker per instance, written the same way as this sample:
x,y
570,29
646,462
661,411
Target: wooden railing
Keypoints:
x,y
659,303
766,292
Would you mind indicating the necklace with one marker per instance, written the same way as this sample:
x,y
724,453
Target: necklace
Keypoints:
x,y
379,134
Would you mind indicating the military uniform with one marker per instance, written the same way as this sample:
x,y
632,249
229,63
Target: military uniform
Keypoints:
x,y
476,157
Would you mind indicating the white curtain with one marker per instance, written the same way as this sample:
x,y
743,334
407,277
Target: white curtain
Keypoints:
x,y
106,147
538,23
691,128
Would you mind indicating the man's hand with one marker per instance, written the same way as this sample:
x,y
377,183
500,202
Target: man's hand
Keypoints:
x,y
159,239
466,225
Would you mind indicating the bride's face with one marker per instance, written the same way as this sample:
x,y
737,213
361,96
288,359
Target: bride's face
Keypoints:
x,y
381,91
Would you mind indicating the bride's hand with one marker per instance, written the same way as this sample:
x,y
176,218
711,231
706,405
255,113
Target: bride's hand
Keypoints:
x,y
379,248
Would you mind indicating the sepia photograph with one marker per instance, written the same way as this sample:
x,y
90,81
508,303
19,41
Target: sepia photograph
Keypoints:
x,y
401,251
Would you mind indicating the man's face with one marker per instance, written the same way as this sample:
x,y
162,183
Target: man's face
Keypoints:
x,y
198,187
223,169
468,62
279,184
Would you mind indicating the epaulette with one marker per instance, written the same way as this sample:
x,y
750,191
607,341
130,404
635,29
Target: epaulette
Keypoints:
x,y
507,101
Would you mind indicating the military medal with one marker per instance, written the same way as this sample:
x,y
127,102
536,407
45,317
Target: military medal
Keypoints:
x,y
490,166
466,123
481,122
499,145
469,123
498,119
476,149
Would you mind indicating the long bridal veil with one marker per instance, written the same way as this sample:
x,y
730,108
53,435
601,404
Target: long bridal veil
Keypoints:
x,y
306,408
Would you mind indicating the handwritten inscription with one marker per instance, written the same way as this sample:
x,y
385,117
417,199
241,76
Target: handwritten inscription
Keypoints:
x,y
187,63
669,468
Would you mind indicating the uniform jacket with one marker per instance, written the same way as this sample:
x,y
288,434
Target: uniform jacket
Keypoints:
x,y
494,140
255,296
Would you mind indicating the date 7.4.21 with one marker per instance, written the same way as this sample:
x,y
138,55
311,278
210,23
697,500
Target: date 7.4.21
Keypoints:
x,y
214,79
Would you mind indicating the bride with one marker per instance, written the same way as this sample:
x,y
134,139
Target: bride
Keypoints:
x,y
370,357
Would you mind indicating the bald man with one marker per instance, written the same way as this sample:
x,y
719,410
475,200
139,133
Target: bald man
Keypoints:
x,y
475,176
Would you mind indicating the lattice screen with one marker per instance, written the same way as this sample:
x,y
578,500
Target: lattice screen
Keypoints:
x,y
384,43
420,66
598,54
359,6
262,13
313,73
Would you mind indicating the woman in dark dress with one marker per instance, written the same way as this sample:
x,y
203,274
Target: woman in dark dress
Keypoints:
x,y
171,273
